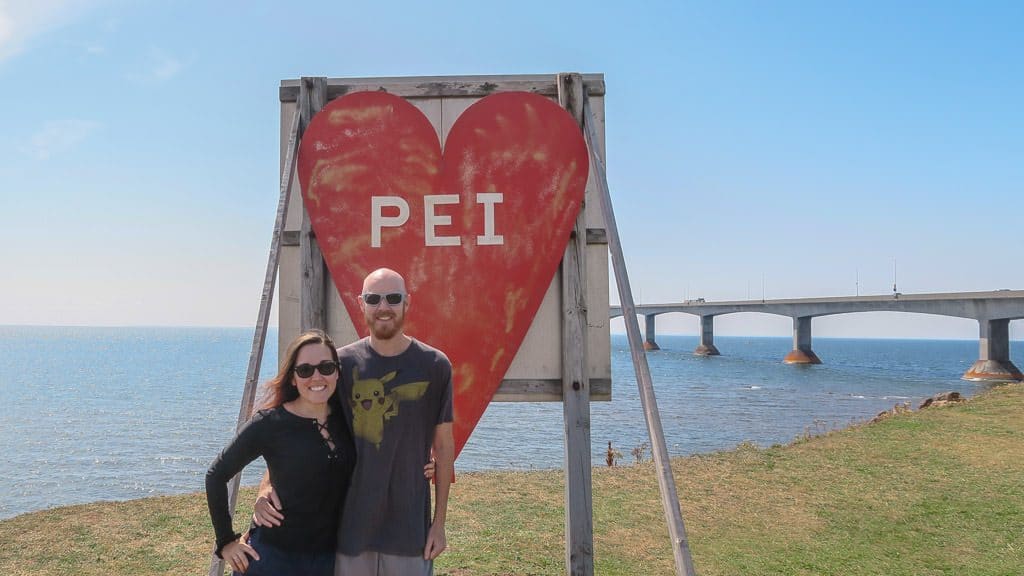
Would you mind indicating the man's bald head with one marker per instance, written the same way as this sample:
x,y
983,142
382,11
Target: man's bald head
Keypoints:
x,y
384,280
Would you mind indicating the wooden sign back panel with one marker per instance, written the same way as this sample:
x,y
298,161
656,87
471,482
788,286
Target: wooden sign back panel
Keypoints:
x,y
536,371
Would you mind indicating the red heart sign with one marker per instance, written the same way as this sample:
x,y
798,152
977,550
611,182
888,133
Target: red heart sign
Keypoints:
x,y
477,231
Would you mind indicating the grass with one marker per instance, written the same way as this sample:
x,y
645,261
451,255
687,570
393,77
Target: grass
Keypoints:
x,y
932,492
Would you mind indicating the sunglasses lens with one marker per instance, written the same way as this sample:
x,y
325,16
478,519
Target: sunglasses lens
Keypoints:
x,y
394,298
306,370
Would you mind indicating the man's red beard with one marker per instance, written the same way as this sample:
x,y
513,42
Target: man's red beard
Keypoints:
x,y
389,330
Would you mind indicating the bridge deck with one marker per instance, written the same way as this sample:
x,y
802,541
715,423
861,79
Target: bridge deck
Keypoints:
x,y
996,304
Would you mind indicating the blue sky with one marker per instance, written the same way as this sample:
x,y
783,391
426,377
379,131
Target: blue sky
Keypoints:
x,y
798,146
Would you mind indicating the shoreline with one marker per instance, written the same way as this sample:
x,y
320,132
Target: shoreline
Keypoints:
x,y
181,413
938,487
623,461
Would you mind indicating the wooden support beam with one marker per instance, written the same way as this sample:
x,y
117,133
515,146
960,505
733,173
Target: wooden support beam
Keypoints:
x,y
443,86
537,390
579,522
259,337
312,298
666,482
594,236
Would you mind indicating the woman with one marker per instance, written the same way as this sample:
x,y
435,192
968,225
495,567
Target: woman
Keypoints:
x,y
300,433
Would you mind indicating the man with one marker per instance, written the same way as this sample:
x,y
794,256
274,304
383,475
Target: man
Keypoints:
x,y
397,396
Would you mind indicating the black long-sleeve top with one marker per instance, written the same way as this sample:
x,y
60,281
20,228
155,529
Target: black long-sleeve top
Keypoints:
x,y
310,479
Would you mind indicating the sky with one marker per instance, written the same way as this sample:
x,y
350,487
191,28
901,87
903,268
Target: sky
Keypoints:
x,y
777,149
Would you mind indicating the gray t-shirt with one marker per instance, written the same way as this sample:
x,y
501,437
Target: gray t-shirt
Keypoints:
x,y
393,404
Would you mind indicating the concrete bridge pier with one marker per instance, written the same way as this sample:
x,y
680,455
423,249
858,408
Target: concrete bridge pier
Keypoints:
x,y
707,337
994,363
649,343
802,353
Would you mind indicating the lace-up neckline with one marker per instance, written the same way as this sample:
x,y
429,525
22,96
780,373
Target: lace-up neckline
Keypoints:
x,y
325,435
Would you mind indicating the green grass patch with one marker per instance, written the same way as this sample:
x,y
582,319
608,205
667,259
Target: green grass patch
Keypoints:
x,y
933,492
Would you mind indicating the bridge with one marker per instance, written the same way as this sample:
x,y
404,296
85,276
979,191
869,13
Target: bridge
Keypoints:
x,y
993,310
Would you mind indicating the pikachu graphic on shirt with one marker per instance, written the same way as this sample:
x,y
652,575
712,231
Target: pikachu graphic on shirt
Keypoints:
x,y
372,406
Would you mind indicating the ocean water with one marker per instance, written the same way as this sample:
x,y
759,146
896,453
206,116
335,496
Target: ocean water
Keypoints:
x,y
91,414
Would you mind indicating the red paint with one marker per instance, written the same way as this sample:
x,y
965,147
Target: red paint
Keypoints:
x,y
475,301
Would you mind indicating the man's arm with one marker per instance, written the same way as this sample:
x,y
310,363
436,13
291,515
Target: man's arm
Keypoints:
x,y
267,509
444,453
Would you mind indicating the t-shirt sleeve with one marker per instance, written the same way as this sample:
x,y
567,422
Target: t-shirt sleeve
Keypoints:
x,y
444,376
243,449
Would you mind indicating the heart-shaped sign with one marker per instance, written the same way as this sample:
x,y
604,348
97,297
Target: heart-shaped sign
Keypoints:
x,y
477,231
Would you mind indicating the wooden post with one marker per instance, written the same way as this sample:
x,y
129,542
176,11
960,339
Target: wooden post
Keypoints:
x,y
666,482
259,337
312,298
579,524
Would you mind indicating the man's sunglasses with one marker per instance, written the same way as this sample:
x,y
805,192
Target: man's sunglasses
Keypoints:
x,y
326,368
393,299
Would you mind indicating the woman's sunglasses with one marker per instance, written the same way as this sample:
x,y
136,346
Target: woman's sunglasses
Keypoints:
x,y
326,368
393,299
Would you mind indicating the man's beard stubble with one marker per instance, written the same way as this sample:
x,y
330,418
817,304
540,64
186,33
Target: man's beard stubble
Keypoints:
x,y
389,331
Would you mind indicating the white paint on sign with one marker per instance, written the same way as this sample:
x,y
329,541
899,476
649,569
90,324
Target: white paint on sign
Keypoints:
x,y
378,220
431,219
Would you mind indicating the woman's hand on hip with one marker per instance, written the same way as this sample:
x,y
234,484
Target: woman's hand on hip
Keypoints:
x,y
237,555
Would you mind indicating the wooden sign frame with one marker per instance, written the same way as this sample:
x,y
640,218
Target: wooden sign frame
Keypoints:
x,y
575,369
536,371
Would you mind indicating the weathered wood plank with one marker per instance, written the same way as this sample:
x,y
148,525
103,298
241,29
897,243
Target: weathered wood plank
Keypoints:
x,y
259,337
669,497
312,299
536,390
594,236
579,522
444,86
